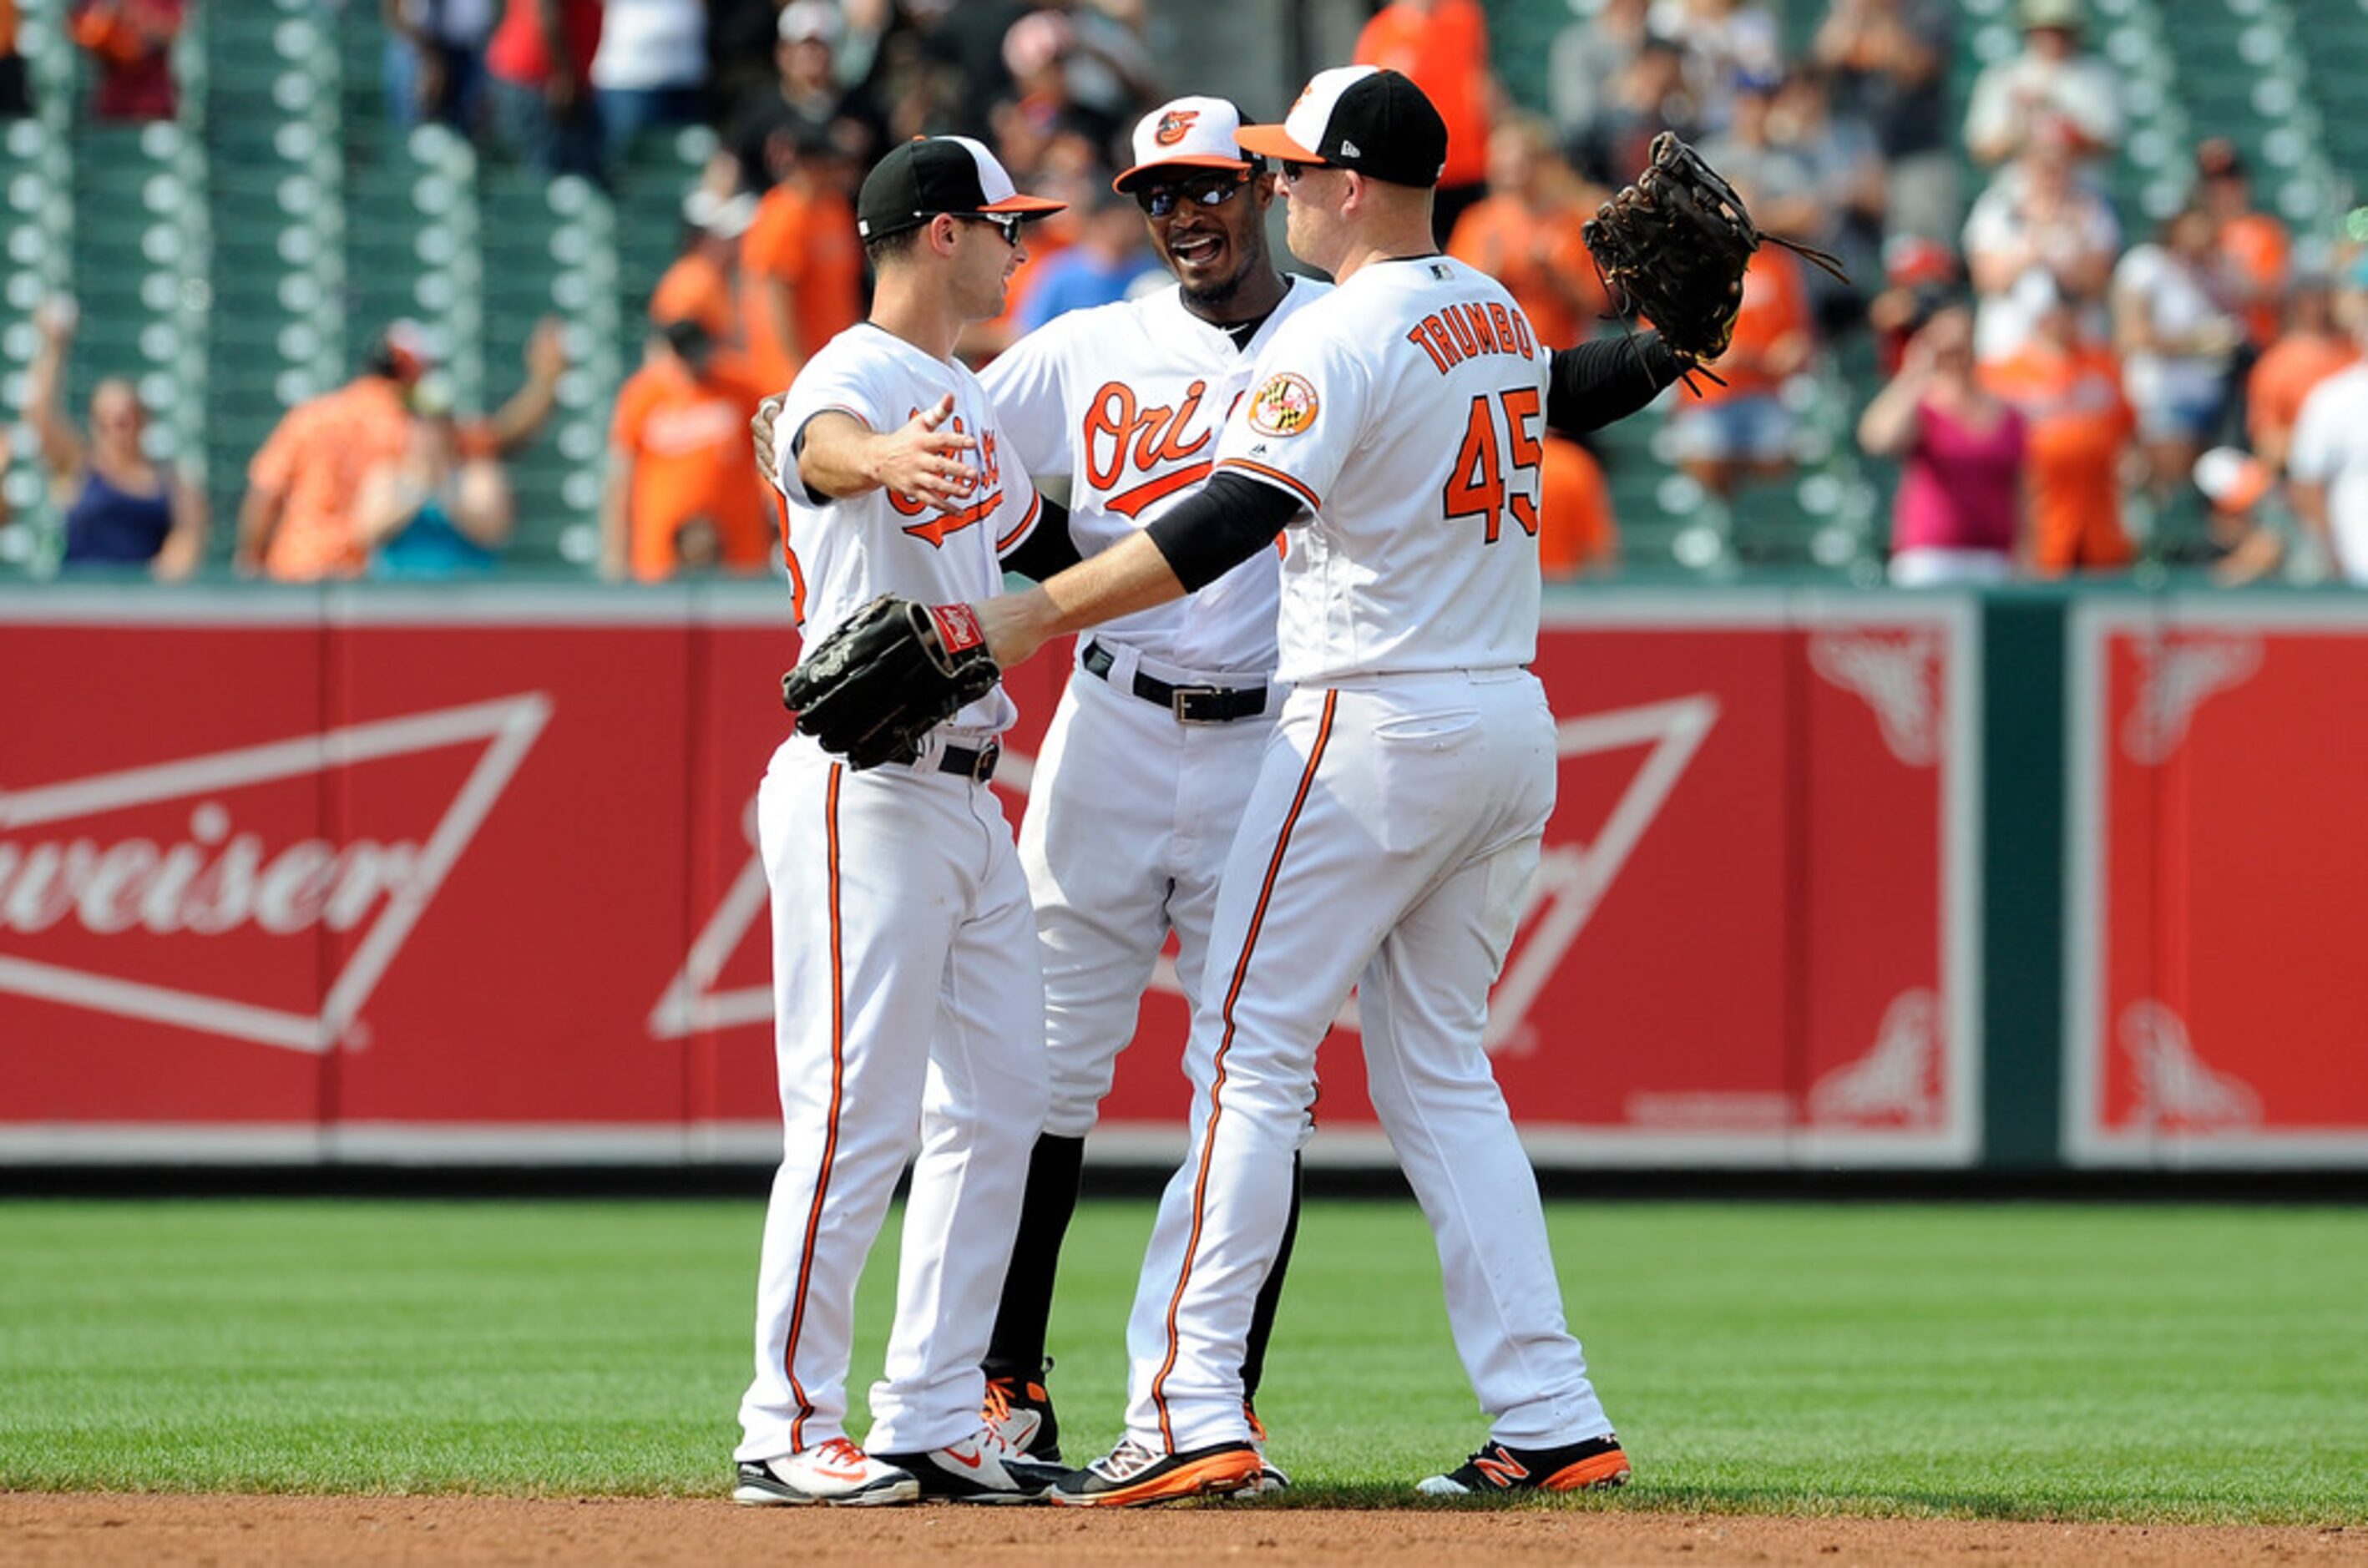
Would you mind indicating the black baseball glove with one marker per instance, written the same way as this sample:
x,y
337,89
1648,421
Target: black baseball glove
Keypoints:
x,y
893,672
1673,247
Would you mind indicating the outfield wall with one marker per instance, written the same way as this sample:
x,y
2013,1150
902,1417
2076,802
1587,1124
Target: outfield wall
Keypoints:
x,y
466,877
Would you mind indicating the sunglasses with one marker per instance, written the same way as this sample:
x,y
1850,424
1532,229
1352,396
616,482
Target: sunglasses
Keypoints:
x,y
1159,200
1004,223
1293,173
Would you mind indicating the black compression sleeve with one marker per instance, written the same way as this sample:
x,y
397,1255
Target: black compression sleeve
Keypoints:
x,y
1048,546
1230,520
1597,383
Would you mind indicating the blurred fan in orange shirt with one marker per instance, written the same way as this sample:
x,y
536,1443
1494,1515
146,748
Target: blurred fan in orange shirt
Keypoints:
x,y
1576,532
1527,233
702,283
682,493
800,264
2313,347
296,523
2255,244
1743,429
2068,388
1442,45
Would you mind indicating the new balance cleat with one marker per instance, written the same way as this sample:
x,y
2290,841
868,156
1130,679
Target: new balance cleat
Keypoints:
x,y
1020,1411
982,1468
1497,1471
836,1472
1132,1474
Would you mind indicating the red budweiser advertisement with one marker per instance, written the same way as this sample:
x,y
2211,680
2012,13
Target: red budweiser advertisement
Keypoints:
x,y
469,877
2214,1007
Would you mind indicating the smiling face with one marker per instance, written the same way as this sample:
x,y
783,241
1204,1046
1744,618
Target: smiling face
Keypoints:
x,y
1211,250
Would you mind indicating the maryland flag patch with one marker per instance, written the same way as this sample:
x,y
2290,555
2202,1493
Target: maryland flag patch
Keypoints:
x,y
1284,404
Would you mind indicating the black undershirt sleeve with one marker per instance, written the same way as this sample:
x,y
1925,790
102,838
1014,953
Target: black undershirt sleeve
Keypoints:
x,y
1048,546
1231,520
1598,383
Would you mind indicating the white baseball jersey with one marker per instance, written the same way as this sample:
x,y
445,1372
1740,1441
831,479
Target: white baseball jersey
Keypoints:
x,y
1420,554
844,553
1127,399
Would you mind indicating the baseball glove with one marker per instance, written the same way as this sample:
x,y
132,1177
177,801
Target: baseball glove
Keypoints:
x,y
1673,247
895,671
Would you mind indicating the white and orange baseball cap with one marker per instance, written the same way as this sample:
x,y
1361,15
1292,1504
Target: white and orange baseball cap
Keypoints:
x,y
1187,133
1360,117
931,175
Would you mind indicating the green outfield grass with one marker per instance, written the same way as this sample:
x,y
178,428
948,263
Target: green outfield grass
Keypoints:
x,y
2145,1363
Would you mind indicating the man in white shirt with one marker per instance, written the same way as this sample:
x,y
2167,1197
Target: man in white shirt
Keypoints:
x,y
2050,80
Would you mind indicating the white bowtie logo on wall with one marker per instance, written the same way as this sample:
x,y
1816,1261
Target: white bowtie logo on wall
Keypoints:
x,y
1572,879
220,878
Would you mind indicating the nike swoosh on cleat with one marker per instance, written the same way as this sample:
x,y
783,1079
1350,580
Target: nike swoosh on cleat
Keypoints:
x,y
956,1455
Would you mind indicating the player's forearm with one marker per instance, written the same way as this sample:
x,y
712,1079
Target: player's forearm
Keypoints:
x,y
838,457
1128,577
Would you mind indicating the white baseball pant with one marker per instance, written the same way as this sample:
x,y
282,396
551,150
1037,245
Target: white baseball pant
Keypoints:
x,y
1388,845
908,1005
1130,819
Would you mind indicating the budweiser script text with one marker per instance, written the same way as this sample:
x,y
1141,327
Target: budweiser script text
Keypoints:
x,y
214,882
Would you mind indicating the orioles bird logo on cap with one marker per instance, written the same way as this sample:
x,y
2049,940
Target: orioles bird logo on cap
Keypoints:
x,y
1173,125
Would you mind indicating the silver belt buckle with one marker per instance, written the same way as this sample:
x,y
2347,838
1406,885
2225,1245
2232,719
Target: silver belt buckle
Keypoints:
x,y
1184,694
988,755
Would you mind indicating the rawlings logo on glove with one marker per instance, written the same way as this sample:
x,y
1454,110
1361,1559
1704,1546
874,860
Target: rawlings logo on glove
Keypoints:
x,y
895,671
1673,247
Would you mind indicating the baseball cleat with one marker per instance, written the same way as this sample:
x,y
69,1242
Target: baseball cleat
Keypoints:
x,y
1019,1410
982,1468
1270,1477
1131,1474
836,1472
1497,1470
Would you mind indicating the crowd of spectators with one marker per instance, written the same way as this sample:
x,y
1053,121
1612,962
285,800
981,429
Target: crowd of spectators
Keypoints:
x,y
2055,394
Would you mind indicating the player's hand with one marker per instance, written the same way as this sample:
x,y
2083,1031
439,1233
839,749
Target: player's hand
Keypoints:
x,y
760,432
923,461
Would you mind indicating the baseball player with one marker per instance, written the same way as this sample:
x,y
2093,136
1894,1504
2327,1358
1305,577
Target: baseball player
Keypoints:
x,y
1148,763
906,992
1397,816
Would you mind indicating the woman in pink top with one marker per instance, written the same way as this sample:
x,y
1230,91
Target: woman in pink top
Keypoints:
x,y
1957,516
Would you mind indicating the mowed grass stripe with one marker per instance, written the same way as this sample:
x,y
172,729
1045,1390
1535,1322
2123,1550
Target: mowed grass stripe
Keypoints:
x,y
2201,1364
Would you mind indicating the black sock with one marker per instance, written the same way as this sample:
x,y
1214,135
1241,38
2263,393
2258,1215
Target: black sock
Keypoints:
x,y
1270,1296
1055,1167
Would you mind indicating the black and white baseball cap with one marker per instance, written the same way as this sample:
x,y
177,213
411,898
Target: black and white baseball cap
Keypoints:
x,y
1187,133
931,175
1362,118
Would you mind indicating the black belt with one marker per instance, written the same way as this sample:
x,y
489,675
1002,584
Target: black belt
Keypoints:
x,y
1190,704
977,765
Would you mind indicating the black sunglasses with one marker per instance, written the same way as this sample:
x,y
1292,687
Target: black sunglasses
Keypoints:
x,y
1004,223
1159,200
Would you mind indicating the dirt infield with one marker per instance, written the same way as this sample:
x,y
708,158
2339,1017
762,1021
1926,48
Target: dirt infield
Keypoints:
x,y
82,1529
